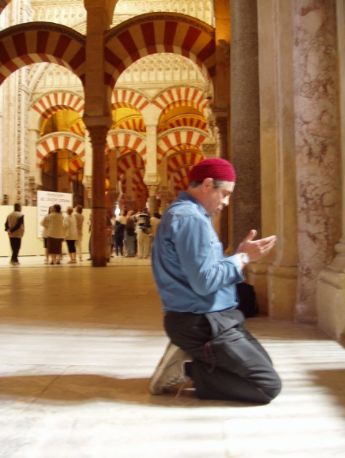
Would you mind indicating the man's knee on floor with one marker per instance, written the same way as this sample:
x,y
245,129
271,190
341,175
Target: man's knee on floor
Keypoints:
x,y
274,389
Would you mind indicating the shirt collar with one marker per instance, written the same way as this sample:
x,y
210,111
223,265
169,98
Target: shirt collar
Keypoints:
x,y
184,195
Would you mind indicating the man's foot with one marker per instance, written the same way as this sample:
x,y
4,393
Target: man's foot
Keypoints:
x,y
169,374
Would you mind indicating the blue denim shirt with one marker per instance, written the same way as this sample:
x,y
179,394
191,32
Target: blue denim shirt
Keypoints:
x,y
191,272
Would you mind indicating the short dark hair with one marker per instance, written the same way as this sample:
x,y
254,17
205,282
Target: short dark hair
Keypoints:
x,y
216,183
17,207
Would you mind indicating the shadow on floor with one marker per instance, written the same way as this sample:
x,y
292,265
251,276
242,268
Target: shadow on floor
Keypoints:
x,y
333,381
71,389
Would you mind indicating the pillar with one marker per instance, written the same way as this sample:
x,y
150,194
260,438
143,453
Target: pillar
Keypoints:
x,y
330,293
98,136
151,115
97,117
245,126
274,277
317,146
153,207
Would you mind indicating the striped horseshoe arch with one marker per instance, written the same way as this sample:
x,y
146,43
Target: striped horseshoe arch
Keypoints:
x,y
132,161
129,98
3,3
36,42
179,165
171,140
50,103
181,96
156,33
128,140
57,141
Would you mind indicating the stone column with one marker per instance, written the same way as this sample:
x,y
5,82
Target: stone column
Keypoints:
x,y
224,224
245,133
317,146
330,293
113,183
276,284
35,169
98,136
151,115
87,181
97,116
153,207
221,105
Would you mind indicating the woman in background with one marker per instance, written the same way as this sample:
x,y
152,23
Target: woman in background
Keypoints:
x,y
55,233
71,234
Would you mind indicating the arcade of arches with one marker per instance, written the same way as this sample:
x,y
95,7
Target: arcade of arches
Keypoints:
x,y
114,101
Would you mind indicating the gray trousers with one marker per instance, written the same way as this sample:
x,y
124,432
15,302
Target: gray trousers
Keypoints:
x,y
228,363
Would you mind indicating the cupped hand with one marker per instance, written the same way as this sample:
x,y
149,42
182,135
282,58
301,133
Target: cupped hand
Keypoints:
x,y
255,249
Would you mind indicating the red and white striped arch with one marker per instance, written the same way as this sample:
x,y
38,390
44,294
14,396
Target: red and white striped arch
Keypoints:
x,y
35,42
133,161
130,161
129,140
156,33
178,166
3,3
135,123
58,141
50,103
173,139
181,96
75,165
128,98
190,121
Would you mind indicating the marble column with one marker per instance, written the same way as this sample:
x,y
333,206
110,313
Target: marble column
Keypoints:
x,y
151,115
87,180
274,277
113,192
97,117
330,294
317,146
98,136
35,169
224,224
153,207
245,127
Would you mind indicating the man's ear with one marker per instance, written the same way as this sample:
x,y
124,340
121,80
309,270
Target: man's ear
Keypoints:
x,y
207,183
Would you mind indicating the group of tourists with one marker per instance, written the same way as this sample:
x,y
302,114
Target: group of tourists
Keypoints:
x,y
58,227
132,233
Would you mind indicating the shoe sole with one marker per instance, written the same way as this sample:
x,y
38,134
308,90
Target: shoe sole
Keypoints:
x,y
162,366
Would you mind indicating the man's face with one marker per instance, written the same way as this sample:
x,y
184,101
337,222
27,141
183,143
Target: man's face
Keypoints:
x,y
216,198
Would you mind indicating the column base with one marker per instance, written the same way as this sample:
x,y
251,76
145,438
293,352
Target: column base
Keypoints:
x,y
330,303
282,288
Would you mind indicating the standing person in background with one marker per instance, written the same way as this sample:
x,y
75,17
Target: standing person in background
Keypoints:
x,y
210,346
130,238
78,213
44,223
14,226
109,233
154,221
143,231
119,234
56,233
71,234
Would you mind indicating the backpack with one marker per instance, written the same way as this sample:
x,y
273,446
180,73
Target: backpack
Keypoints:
x,y
247,299
144,223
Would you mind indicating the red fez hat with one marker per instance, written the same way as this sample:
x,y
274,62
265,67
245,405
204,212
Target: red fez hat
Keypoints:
x,y
214,167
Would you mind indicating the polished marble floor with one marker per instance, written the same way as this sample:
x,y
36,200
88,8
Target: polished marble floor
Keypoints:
x,y
78,345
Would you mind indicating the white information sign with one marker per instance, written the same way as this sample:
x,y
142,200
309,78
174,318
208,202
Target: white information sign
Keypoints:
x,y
46,199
